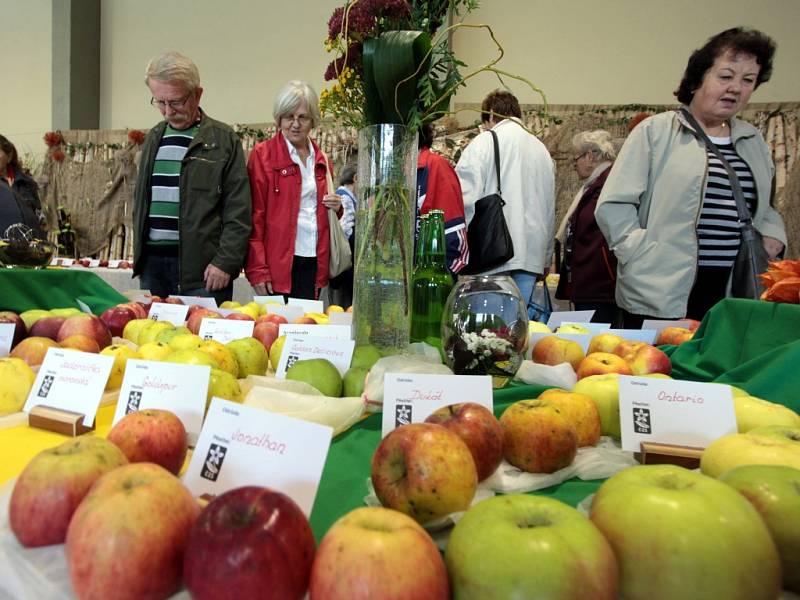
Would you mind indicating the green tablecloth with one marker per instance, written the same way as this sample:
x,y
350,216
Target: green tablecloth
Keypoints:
x,y
24,289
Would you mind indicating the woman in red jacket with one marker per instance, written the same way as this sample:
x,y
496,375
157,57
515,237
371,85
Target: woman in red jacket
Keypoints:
x,y
290,242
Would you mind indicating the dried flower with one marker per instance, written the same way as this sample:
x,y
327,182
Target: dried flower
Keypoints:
x,y
53,138
58,155
136,136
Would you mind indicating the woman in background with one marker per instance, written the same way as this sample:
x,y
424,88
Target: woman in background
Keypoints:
x,y
588,268
290,243
341,286
27,205
667,208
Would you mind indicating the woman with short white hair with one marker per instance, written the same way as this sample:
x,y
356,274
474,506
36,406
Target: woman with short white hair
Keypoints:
x,y
290,243
588,268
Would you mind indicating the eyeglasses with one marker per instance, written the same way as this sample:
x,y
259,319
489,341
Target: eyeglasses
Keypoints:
x,y
173,104
301,119
580,156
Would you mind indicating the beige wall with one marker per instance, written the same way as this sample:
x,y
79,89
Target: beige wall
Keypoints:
x,y
245,51
614,51
618,51
25,111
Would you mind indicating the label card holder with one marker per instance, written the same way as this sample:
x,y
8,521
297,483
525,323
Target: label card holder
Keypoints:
x,y
412,397
52,419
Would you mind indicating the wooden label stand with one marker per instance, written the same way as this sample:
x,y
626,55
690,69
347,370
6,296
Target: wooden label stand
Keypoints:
x,y
57,420
658,454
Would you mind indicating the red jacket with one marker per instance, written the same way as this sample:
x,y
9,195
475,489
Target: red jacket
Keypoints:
x,y
275,183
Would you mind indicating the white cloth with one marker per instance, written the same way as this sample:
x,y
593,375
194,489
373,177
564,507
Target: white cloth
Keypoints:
x,y
562,228
527,175
305,242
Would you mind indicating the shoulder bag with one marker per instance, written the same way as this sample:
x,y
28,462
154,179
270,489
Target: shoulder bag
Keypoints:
x,y
488,238
752,258
341,258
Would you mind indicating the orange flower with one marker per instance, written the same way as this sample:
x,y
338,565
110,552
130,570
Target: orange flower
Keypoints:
x,y
53,138
58,155
135,136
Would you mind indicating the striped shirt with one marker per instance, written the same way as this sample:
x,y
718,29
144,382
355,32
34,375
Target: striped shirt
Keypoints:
x,y
718,230
165,184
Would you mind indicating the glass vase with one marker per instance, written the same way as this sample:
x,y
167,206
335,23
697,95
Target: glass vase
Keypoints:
x,y
384,240
485,327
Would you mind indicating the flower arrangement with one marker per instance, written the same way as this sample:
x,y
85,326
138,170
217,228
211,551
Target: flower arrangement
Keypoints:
x,y
136,136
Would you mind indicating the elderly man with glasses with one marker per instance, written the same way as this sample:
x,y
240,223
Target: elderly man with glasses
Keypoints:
x,y
192,216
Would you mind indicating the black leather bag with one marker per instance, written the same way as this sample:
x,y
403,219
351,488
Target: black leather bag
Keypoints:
x,y
752,258
489,240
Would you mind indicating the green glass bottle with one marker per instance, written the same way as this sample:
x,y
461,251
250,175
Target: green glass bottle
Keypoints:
x,y
431,283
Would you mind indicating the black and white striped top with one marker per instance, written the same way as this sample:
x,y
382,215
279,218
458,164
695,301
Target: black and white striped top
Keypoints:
x,y
718,228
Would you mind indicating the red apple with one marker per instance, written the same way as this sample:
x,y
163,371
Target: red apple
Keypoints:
x,y
124,264
116,317
86,325
375,552
193,308
47,327
598,363
80,342
649,359
537,437
553,350
480,431
425,471
693,324
103,263
304,321
274,318
627,348
250,542
152,435
51,486
128,536
136,307
172,300
33,349
266,333
20,331
193,322
674,335
238,316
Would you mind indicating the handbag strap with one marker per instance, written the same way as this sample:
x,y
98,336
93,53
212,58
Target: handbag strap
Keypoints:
x,y
328,179
736,187
496,160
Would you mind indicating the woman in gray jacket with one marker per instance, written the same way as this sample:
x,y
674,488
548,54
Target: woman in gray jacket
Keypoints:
x,y
667,209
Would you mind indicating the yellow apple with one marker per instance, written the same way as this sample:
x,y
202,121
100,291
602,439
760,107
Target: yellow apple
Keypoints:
x,y
134,328
223,385
16,379
186,342
191,356
752,412
553,350
334,308
581,412
167,335
222,354
537,436
251,356
604,342
154,351
573,328
149,332
230,304
275,352
770,445
121,354
319,318
538,327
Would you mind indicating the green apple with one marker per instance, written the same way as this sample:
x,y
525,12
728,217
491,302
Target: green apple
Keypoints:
x,y
680,534
65,312
770,445
774,491
223,385
604,391
251,356
353,381
134,328
521,546
752,412
365,356
318,372
149,332
167,335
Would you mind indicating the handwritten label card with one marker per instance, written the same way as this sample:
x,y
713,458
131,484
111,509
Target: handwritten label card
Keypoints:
x,y
290,313
670,411
180,389
337,332
243,445
6,337
225,330
303,347
411,397
308,306
582,338
71,380
262,300
574,316
172,313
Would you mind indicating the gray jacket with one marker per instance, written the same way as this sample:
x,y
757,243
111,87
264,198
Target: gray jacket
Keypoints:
x,y
649,208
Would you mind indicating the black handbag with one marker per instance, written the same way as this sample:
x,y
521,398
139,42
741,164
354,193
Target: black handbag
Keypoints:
x,y
488,238
752,258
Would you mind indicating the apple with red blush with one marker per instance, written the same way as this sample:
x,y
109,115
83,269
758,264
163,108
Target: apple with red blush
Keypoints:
x,y
238,316
266,333
598,363
84,324
304,321
152,435
273,318
80,342
250,542
194,321
47,327
172,300
33,349
116,317
478,429
649,359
